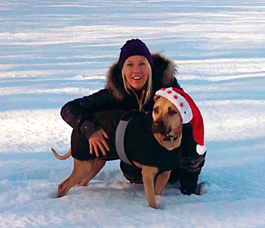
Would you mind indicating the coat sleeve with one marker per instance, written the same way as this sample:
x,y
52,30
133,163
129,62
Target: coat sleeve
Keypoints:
x,y
77,112
189,172
176,84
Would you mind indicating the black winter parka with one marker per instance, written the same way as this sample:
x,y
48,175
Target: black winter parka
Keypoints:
x,y
114,97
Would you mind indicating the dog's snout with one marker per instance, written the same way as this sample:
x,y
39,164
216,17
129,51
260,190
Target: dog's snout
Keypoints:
x,y
158,127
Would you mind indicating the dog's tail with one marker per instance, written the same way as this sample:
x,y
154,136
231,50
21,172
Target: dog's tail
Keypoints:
x,y
61,157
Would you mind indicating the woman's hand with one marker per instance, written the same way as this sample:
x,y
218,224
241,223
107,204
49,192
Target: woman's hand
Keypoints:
x,y
97,142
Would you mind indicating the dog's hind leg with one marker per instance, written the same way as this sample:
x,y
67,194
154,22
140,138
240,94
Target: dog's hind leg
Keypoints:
x,y
82,170
97,166
161,182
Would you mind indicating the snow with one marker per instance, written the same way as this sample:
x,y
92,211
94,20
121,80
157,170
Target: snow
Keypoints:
x,y
56,51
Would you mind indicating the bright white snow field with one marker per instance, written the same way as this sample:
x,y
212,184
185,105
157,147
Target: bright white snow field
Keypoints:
x,y
52,51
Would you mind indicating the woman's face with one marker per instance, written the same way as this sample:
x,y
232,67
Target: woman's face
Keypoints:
x,y
136,71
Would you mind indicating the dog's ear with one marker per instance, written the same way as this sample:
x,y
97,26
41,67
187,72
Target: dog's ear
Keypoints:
x,y
156,97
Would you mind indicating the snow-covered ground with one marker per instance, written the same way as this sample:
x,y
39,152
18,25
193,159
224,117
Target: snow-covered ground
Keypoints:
x,y
54,51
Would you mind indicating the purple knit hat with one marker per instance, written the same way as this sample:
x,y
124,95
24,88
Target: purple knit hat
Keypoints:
x,y
134,47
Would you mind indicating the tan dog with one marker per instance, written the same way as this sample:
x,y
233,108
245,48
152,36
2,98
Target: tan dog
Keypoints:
x,y
167,130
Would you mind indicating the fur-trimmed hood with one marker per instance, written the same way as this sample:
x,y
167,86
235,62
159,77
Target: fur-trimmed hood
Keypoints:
x,y
163,73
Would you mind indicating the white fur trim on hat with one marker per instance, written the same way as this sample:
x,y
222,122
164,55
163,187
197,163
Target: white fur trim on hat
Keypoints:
x,y
179,101
200,149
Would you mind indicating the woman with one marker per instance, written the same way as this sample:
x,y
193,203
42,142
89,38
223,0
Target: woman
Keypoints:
x,y
131,83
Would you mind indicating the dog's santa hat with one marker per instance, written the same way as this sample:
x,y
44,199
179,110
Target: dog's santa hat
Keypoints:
x,y
189,113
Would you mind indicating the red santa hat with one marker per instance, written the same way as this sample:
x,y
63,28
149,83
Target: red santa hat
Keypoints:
x,y
189,113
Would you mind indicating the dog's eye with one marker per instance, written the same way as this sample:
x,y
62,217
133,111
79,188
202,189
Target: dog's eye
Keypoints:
x,y
155,109
171,112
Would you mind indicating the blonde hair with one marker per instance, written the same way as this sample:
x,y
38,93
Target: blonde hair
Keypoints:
x,y
147,89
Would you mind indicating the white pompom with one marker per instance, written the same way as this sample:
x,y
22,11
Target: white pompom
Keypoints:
x,y
201,149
